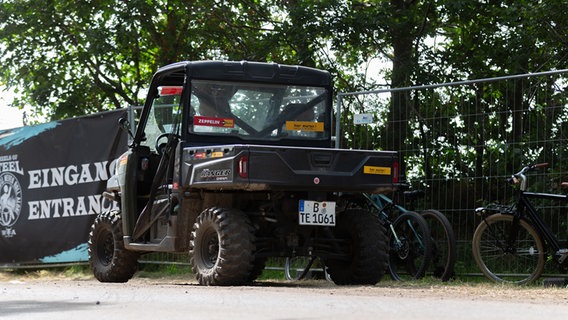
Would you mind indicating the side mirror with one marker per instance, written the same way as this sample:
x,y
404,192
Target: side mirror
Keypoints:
x,y
125,125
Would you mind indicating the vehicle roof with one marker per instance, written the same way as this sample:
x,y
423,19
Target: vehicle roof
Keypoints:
x,y
173,74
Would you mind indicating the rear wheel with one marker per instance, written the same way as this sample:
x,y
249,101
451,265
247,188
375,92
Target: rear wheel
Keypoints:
x,y
108,258
518,261
367,245
222,247
410,247
443,245
258,267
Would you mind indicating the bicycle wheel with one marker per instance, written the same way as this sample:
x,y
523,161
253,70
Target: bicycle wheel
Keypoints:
x,y
520,261
298,268
410,247
444,250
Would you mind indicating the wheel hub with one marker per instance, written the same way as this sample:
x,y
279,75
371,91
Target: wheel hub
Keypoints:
x,y
211,249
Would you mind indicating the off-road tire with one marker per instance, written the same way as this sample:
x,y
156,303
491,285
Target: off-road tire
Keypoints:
x,y
368,242
108,258
222,247
258,267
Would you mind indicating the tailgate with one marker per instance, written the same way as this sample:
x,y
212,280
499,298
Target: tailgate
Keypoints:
x,y
323,169
291,168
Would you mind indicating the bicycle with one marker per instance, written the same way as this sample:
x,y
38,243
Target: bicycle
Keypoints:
x,y
440,263
444,246
512,243
444,251
409,238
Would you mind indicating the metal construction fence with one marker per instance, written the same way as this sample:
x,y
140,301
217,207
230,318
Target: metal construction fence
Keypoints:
x,y
460,141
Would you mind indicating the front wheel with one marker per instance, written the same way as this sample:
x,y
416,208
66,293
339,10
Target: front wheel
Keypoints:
x,y
410,247
222,247
518,261
108,258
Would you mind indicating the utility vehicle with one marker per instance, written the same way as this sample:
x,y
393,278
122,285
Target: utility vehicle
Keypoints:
x,y
232,162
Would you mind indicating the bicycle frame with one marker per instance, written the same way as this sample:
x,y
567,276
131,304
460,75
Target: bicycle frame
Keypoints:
x,y
383,203
525,207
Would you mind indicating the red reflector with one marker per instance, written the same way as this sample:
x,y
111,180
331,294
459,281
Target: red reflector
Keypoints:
x,y
200,155
243,167
395,172
170,90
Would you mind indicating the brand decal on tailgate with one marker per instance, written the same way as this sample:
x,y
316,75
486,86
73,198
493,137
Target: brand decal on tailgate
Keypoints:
x,y
215,174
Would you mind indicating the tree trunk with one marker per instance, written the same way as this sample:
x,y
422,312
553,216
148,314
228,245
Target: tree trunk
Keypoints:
x,y
402,40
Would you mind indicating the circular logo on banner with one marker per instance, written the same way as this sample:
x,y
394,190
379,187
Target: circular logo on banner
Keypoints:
x,y
10,199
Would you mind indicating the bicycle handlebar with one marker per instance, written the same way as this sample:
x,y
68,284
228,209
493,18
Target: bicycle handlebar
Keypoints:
x,y
520,177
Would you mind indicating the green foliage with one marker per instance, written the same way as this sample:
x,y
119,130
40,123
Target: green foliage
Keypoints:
x,y
69,58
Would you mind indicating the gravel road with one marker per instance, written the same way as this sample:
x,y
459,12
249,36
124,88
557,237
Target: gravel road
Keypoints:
x,y
144,298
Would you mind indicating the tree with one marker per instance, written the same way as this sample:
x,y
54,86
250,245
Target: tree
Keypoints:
x,y
68,58
393,30
499,38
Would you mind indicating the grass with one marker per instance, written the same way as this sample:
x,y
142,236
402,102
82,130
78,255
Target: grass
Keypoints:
x,y
72,272
83,272
154,271
271,273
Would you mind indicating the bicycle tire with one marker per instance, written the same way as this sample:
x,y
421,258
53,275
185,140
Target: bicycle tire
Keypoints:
x,y
444,246
409,259
521,262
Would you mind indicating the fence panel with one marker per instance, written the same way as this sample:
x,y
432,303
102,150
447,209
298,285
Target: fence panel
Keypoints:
x,y
460,142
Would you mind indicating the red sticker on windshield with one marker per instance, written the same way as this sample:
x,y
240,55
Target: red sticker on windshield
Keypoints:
x,y
213,122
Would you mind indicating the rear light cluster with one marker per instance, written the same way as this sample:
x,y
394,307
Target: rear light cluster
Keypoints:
x,y
395,172
243,167
170,91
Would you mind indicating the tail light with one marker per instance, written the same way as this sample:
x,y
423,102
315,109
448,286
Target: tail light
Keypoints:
x,y
243,167
395,174
170,91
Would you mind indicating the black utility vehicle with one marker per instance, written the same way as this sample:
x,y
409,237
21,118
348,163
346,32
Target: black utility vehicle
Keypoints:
x,y
233,162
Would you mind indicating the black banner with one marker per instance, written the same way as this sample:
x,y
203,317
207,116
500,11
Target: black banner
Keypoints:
x,y
51,180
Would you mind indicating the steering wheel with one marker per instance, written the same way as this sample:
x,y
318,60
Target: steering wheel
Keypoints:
x,y
161,147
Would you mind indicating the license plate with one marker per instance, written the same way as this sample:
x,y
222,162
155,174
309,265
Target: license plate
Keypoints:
x,y
316,213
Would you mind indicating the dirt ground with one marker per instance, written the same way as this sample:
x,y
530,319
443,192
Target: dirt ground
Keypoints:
x,y
41,296
473,291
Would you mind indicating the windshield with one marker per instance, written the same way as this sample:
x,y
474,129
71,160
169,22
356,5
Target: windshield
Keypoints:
x,y
161,120
258,111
